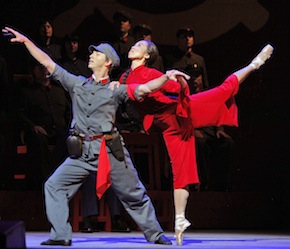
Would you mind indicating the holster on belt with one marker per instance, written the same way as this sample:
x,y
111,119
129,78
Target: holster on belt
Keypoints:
x,y
113,141
74,146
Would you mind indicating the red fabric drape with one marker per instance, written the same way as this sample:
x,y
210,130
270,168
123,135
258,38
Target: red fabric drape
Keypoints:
x,y
103,181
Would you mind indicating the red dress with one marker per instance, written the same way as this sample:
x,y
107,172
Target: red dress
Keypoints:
x,y
178,113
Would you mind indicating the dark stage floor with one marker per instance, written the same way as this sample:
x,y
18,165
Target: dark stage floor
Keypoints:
x,y
201,239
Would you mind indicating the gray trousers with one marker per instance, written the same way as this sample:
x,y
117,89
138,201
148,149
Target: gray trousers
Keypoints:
x,y
89,199
69,176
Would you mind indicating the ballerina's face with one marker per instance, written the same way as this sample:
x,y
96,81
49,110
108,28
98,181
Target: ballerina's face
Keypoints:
x,y
138,51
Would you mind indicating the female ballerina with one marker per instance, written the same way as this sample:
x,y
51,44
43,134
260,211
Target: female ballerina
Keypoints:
x,y
177,113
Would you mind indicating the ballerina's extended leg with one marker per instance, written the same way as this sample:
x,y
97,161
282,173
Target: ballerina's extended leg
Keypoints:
x,y
264,55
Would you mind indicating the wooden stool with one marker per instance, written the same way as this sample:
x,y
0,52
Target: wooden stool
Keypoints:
x,y
76,212
149,145
20,171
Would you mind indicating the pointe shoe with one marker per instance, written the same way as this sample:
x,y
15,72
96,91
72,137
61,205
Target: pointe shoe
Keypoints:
x,y
181,224
264,55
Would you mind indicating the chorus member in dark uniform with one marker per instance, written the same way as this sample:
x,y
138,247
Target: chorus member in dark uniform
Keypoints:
x,y
185,58
71,59
46,39
121,39
94,144
44,114
4,104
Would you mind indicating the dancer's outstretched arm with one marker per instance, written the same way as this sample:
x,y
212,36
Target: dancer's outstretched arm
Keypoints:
x,y
255,64
36,52
157,83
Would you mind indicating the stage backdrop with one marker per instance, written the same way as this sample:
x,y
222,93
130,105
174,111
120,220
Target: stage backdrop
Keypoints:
x,y
228,35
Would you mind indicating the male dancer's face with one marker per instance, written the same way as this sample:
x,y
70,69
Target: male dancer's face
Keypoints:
x,y
97,60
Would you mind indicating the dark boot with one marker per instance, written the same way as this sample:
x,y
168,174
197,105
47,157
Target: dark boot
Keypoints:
x,y
119,225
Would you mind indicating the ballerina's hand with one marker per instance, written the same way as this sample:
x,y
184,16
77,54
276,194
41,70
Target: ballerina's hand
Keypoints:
x,y
172,74
114,85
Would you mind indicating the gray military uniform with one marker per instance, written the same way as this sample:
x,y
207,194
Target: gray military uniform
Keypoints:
x,y
94,109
